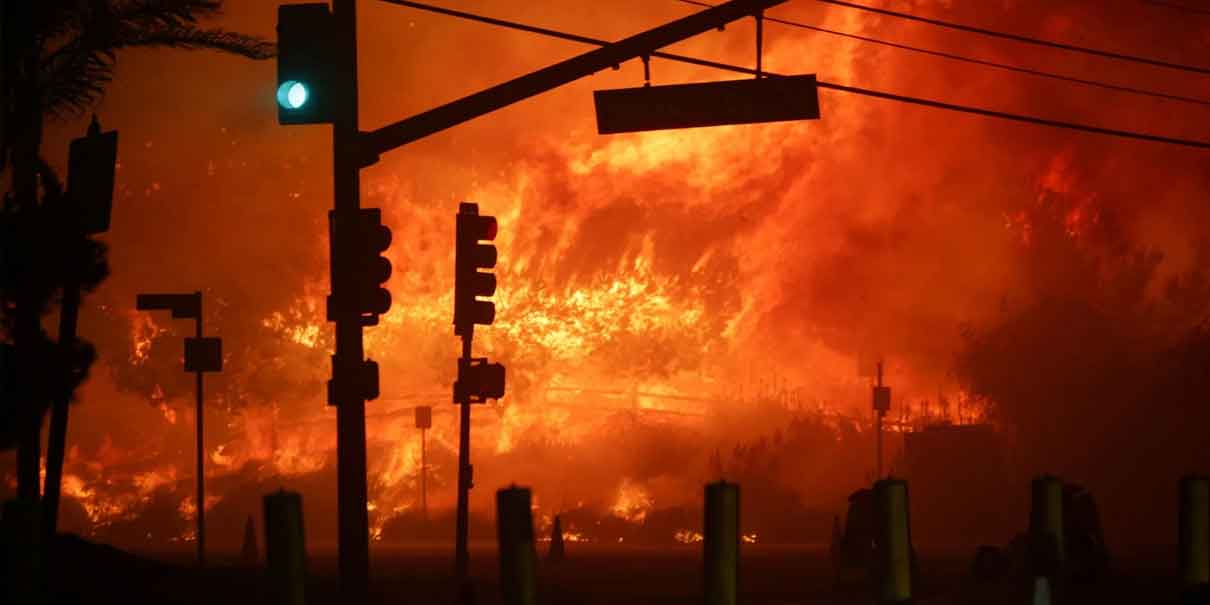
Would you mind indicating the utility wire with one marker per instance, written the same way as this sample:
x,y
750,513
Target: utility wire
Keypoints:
x,y
1177,6
1127,134
1024,39
964,59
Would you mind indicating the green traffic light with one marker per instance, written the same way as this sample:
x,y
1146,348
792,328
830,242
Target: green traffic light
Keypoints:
x,y
292,94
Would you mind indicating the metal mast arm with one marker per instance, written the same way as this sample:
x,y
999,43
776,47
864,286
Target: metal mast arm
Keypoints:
x,y
497,97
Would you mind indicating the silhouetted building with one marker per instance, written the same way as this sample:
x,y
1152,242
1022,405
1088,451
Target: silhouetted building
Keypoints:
x,y
959,487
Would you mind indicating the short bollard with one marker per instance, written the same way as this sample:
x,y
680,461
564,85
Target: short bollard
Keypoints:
x,y
1046,526
894,541
721,543
285,548
518,558
1194,528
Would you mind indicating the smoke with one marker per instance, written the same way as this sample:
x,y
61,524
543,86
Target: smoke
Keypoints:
x,y
694,264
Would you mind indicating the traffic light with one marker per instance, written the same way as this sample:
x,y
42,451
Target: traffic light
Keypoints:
x,y
478,381
306,78
469,282
373,269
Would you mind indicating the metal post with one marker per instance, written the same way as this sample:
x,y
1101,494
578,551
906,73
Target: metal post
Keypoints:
x,y
878,430
720,545
353,536
462,555
57,441
285,548
201,456
515,539
424,473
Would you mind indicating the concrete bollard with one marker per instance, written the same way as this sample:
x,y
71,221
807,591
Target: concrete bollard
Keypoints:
x,y
894,541
1047,552
515,536
1194,528
721,543
285,548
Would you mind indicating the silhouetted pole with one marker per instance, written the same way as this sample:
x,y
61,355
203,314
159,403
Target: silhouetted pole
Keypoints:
x,y
721,543
1194,537
250,553
1046,526
285,548
56,443
882,403
465,482
556,552
894,541
424,420
201,355
515,537
201,456
354,523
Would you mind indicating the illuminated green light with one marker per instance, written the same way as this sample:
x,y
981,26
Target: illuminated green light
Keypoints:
x,y
292,94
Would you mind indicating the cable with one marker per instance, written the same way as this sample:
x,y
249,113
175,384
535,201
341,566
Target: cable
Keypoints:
x,y
1182,7
838,87
1024,70
1024,39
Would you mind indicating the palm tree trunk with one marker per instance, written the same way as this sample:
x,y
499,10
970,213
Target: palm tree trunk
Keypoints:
x,y
27,139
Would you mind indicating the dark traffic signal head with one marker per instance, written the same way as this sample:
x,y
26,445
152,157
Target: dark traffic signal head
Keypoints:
x,y
478,381
373,269
305,60
469,282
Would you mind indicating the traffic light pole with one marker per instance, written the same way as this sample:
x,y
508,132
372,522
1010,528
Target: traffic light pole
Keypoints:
x,y
57,440
353,525
462,553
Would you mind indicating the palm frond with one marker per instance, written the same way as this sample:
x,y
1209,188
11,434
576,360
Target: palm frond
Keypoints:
x,y
166,13
77,71
192,38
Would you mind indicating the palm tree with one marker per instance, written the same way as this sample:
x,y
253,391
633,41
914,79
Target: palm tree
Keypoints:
x,y
58,57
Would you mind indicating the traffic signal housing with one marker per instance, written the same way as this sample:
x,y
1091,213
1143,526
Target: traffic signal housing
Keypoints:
x,y
373,269
470,283
306,56
478,381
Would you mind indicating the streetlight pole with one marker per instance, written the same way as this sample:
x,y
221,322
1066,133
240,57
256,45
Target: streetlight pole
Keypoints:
x,y
201,451
201,355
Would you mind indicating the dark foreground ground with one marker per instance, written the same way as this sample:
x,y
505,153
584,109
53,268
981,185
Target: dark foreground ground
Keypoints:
x,y
592,574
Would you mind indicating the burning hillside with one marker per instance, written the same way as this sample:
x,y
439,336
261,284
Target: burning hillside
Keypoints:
x,y
672,306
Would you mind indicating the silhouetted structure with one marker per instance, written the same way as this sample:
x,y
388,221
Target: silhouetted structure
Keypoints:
x,y
250,554
556,552
285,548
1194,533
854,550
720,543
894,541
515,535
201,355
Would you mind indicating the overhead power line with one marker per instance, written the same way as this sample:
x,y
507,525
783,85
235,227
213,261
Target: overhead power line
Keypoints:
x,y
1127,134
981,62
1183,7
1024,39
